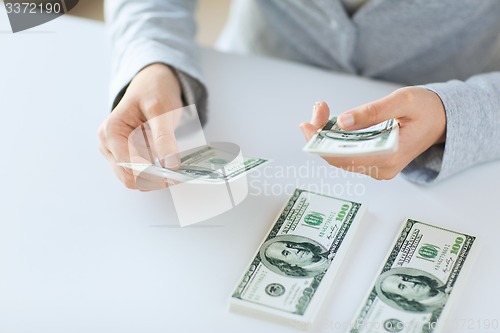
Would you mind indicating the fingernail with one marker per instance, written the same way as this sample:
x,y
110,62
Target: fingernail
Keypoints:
x,y
315,111
346,120
316,106
171,162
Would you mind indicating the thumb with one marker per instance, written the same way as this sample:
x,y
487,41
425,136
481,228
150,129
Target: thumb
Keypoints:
x,y
370,114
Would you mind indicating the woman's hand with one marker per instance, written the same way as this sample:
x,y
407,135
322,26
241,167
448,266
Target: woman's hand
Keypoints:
x,y
422,123
148,102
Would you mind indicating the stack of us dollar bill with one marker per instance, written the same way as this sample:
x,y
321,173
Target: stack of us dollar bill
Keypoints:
x,y
292,270
206,164
331,140
416,286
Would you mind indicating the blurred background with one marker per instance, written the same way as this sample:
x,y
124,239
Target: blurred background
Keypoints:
x,y
211,16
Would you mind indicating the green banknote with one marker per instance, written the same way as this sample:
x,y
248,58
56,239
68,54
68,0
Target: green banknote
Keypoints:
x,y
205,164
296,263
414,289
331,140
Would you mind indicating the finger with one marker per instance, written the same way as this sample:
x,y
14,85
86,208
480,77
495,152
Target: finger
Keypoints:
x,y
123,175
308,130
141,145
376,166
140,181
118,146
321,112
145,184
113,136
105,151
163,137
371,114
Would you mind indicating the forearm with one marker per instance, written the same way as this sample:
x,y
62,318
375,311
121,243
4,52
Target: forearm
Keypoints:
x,y
472,136
146,32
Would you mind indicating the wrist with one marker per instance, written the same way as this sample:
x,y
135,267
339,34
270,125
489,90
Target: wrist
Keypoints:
x,y
440,118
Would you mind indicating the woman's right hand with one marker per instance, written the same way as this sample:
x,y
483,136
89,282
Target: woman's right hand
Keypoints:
x,y
149,100
422,124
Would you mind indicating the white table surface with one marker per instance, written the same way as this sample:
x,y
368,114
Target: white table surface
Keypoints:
x,y
80,253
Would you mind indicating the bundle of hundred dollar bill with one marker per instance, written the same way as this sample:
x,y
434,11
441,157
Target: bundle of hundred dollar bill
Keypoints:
x,y
290,274
205,164
417,283
331,140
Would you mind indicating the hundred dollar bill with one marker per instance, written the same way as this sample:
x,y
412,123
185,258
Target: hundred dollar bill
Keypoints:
x,y
413,291
331,140
204,164
293,268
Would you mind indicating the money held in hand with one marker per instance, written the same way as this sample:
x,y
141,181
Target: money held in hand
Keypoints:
x,y
413,291
205,164
331,140
289,276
